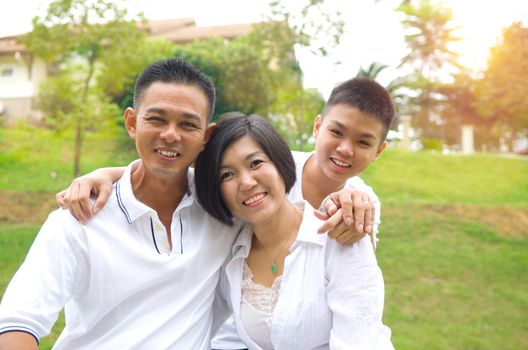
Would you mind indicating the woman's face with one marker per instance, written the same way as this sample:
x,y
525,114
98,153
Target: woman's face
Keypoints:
x,y
250,184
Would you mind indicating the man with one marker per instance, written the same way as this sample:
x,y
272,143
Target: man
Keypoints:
x,y
142,273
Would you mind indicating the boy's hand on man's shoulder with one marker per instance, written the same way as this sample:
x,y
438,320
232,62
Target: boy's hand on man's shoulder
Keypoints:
x,y
348,215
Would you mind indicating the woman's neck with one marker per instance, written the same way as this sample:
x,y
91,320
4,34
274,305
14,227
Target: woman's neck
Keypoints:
x,y
282,226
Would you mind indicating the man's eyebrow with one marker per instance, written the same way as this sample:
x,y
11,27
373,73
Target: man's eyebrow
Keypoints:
x,y
196,117
161,111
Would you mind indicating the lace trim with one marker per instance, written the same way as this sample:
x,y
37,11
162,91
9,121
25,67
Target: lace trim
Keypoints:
x,y
259,297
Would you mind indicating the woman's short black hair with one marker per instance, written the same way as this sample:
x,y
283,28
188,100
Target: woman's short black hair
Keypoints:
x,y
232,127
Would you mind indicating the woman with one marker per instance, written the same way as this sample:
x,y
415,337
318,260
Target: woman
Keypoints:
x,y
288,287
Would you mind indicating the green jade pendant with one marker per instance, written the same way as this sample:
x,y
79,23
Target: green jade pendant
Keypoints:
x,y
273,268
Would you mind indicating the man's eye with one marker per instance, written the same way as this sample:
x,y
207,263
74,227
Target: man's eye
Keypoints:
x,y
336,132
190,125
154,119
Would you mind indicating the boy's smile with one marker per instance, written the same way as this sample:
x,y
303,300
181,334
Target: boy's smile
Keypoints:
x,y
347,141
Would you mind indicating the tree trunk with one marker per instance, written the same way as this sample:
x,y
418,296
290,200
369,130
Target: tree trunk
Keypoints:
x,y
79,125
78,147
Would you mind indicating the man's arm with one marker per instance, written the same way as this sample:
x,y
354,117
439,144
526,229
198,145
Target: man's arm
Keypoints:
x,y
18,341
54,270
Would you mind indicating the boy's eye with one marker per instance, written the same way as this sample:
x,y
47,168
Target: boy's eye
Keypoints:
x,y
336,132
364,143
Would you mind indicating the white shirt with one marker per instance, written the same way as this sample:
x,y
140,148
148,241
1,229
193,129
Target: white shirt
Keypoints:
x,y
227,337
331,295
120,285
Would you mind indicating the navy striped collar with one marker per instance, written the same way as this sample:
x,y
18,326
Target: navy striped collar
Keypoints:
x,y
132,208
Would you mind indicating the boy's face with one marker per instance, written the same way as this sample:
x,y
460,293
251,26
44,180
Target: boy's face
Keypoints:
x,y
346,141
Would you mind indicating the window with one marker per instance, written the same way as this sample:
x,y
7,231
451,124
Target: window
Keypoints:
x,y
6,72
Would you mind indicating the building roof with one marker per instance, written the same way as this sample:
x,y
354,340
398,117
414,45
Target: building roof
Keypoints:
x,y
180,31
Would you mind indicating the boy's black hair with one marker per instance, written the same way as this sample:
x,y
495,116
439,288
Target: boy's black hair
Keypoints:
x,y
366,95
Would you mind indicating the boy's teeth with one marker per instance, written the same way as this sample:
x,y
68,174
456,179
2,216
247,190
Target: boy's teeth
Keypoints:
x,y
254,199
168,154
341,163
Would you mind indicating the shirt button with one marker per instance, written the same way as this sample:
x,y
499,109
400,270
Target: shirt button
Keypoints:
x,y
159,227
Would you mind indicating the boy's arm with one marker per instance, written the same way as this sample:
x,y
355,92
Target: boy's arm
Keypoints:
x,y
18,340
76,197
348,215
351,213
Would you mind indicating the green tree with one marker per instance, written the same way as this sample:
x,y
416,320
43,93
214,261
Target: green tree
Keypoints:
x,y
77,38
501,94
429,61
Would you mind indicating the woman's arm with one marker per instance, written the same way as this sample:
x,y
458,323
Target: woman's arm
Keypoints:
x,y
76,197
355,295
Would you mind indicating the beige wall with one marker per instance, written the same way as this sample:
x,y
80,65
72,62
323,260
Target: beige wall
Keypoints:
x,y
19,89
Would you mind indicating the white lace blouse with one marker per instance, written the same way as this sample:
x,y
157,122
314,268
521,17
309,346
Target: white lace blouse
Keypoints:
x,y
330,296
257,306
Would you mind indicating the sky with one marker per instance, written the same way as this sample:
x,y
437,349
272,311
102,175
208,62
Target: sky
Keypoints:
x,y
373,32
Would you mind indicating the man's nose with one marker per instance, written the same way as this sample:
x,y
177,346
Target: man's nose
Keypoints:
x,y
170,133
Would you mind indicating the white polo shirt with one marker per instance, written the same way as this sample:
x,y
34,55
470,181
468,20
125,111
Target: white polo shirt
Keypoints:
x,y
120,285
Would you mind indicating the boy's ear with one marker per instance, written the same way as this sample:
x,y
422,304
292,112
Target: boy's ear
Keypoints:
x,y
316,126
130,121
380,149
208,133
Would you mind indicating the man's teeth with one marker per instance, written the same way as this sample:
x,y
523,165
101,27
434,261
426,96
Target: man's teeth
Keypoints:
x,y
254,199
168,154
341,163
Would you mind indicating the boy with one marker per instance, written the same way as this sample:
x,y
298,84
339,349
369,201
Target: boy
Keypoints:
x,y
349,134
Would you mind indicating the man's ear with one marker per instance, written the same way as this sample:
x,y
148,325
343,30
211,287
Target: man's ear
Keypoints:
x,y
130,122
316,126
208,133
380,149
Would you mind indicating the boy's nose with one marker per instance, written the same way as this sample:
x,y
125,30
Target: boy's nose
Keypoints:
x,y
346,148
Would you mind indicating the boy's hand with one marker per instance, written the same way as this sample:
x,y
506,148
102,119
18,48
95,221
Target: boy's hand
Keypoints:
x,y
349,215
76,197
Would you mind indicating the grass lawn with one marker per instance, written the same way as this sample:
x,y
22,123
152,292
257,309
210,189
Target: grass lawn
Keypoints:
x,y
454,239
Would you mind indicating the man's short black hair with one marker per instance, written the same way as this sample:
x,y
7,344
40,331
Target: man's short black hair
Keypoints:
x,y
366,95
177,71
232,127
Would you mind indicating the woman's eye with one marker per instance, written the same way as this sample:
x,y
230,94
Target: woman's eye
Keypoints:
x,y
256,162
225,175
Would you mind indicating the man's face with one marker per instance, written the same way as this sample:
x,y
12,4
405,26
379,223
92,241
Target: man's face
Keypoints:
x,y
169,127
347,140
